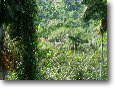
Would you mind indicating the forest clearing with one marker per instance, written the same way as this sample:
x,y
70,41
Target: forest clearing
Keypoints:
x,y
53,40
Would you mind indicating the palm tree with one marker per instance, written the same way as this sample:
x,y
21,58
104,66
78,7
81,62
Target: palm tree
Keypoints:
x,y
8,13
97,10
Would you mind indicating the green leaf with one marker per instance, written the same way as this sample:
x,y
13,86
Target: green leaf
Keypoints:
x,y
11,14
76,34
16,7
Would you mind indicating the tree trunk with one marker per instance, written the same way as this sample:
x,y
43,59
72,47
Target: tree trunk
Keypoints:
x,y
102,50
3,72
102,30
101,62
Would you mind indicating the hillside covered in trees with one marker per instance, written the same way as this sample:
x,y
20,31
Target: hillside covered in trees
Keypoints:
x,y
55,40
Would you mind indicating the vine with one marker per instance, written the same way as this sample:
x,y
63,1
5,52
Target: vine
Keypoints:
x,y
25,27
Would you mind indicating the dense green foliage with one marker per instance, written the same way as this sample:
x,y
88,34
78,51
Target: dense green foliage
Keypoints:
x,y
9,11
22,29
61,22
60,63
95,9
27,70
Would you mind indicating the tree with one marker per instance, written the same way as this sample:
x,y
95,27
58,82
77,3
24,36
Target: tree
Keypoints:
x,y
26,25
77,40
21,16
8,13
97,10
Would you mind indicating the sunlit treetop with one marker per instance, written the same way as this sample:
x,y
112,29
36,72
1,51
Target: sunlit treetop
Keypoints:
x,y
95,9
